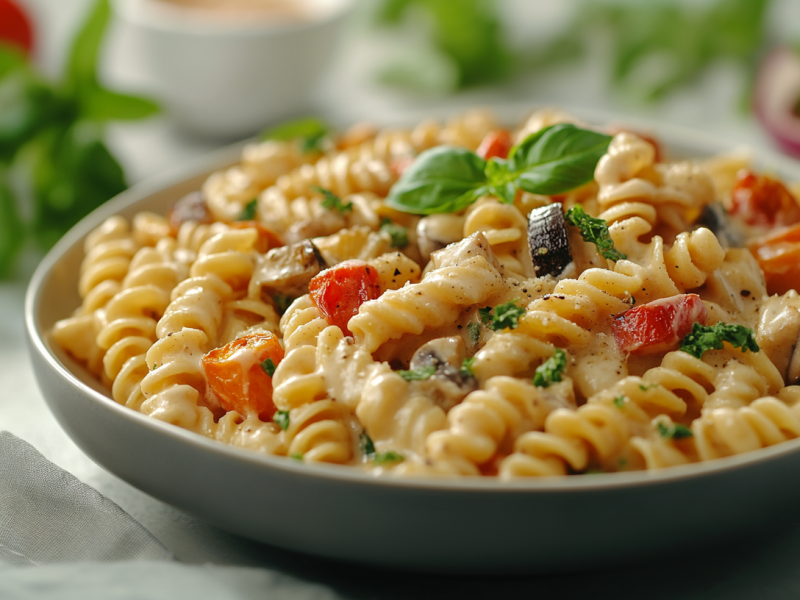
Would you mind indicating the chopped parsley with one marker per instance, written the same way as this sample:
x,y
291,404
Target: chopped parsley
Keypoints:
x,y
619,401
388,457
704,338
282,302
466,367
645,387
397,233
249,211
474,331
313,143
269,368
418,374
366,445
506,316
281,419
595,231
550,371
332,201
675,431
485,315
296,456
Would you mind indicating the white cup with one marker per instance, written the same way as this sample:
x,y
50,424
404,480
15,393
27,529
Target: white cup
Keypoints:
x,y
228,78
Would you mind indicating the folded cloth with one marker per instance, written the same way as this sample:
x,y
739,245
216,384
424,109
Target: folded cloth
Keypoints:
x,y
48,516
153,581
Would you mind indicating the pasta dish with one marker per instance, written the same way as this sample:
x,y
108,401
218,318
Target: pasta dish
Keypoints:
x,y
458,299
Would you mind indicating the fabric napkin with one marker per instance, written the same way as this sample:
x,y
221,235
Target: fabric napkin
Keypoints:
x,y
49,516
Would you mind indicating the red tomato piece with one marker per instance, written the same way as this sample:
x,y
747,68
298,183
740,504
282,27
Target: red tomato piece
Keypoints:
x,y
658,326
15,26
778,253
496,144
236,376
338,292
267,239
763,201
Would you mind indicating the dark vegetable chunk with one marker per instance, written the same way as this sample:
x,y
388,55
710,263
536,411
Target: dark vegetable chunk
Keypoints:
x,y
192,207
288,270
549,244
716,218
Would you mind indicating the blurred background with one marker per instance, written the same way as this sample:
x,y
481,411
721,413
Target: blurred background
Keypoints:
x,y
96,94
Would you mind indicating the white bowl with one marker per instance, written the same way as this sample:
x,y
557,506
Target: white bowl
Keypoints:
x,y
228,78
445,525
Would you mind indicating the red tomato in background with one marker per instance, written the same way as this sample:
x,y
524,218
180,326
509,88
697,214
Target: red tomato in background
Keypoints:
x,y
658,326
236,376
338,292
761,200
496,144
15,27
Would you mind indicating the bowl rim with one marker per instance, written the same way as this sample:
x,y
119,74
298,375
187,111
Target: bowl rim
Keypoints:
x,y
671,135
202,27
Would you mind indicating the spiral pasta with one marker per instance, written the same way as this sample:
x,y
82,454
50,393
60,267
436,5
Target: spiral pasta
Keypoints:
x,y
292,308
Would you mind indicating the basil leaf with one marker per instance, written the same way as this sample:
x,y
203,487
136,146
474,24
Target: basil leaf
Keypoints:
x,y
442,179
102,104
304,129
82,62
551,161
12,229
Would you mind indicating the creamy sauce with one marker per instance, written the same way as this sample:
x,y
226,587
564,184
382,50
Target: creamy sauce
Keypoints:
x,y
242,10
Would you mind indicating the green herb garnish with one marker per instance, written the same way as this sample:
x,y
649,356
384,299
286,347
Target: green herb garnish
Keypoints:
x,y
311,132
619,401
332,201
388,457
645,387
474,332
675,431
269,367
704,338
249,211
485,315
551,161
418,374
550,371
595,231
282,302
296,456
366,445
281,418
397,233
506,316
466,367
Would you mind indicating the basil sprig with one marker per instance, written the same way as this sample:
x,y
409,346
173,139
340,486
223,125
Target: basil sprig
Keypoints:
x,y
448,179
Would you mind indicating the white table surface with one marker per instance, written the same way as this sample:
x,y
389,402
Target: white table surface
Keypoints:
x,y
764,568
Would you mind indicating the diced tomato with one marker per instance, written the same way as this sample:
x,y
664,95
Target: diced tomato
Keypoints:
x,y
763,201
338,292
237,373
15,26
399,164
192,207
658,326
267,239
496,144
778,253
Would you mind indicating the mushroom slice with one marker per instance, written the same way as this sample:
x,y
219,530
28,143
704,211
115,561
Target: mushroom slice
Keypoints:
x,y
287,270
448,385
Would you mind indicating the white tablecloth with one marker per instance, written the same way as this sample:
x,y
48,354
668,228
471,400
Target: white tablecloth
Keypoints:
x,y
766,568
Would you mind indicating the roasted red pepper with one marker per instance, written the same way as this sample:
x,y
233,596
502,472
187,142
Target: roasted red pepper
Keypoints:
x,y
658,326
240,373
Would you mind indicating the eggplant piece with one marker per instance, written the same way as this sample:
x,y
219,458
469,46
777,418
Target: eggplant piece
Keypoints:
x,y
548,240
449,385
717,219
288,270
